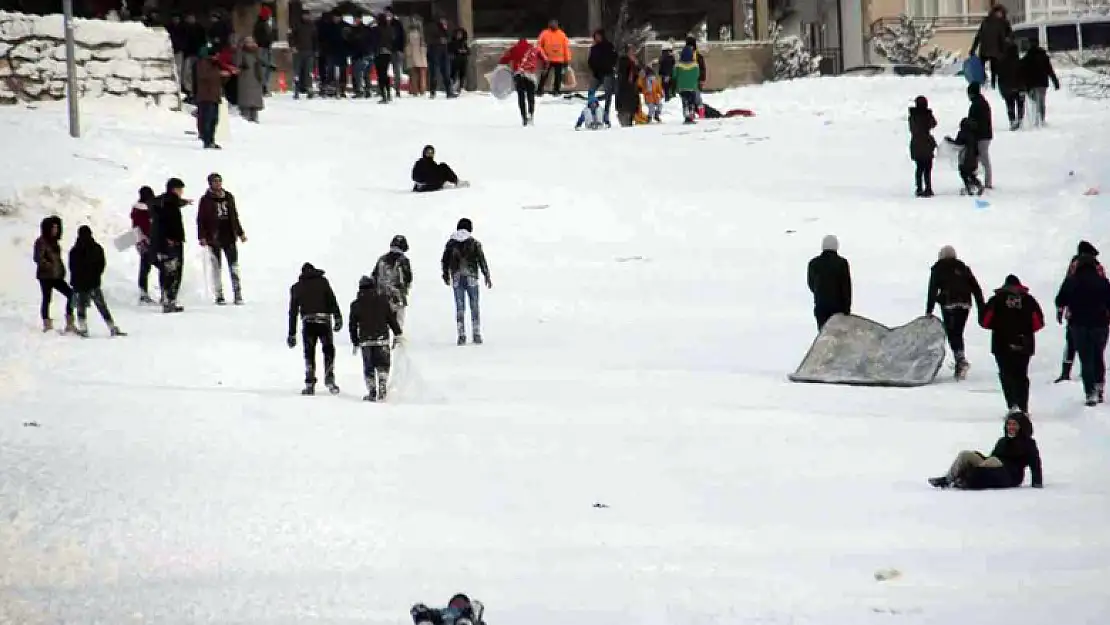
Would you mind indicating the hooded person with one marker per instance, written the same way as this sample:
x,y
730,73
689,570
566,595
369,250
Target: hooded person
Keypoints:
x,y
462,261
50,271
953,285
1036,72
830,281
1013,316
652,89
141,221
590,117
1084,249
168,241
86,266
312,299
1085,296
393,274
1004,467
218,229
524,60
370,322
428,175
922,145
686,73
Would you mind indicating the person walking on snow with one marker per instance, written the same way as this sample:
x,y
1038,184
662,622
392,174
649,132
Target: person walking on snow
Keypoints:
x,y
922,145
371,319
686,74
979,112
428,175
1036,70
463,259
312,299
50,271
393,274
86,265
1005,467
168,241
252,85
830,280
1013,316
990,40
1083,249
1085,295
603,65
141,221
556,51
968,157
954,287
524,60
218,227
1011,84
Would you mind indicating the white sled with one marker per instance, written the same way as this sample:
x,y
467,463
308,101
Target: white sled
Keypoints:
x,y
500,82
128,239
223,123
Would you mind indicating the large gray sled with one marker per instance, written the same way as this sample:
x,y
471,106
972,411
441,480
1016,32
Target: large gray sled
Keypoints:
x,y
857,350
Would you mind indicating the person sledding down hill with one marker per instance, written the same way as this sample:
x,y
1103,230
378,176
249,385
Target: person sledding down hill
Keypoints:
x,y
1004,468
686,74
460,610
428,175
590,116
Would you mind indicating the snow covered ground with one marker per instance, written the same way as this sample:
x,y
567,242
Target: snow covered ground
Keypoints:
x,y
638,338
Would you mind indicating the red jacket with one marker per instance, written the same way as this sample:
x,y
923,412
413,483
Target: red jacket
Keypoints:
x,y
218,220
523,58
140,218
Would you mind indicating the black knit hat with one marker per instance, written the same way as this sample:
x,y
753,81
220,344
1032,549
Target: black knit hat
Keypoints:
x,y
464,224
1085,248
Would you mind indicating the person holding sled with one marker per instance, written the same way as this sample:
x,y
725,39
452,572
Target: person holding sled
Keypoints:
x,y
1013,316
312,299
428,175
86,264
954,287
50,271
1082,250
524,59
463,259
1085,295
1004,468
968,157
830,280
218,228
370,322
141,221
393,274
922,145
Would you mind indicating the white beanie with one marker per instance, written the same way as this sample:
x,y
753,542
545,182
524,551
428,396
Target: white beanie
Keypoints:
x,y
830,243
946,252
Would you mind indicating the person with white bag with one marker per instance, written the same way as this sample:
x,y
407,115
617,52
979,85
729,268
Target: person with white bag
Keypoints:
x,y
140,221
524,60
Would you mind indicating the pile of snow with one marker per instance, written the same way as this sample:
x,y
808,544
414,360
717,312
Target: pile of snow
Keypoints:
x,y
113,59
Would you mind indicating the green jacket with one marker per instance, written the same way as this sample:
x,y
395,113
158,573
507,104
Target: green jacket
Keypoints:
x,y
686,76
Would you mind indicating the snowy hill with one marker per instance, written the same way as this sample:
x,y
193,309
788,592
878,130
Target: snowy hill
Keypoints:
x,y
638,336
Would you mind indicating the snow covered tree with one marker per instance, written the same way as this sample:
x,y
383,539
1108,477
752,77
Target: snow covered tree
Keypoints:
x,y
623,26
905,43
792,58
1092,76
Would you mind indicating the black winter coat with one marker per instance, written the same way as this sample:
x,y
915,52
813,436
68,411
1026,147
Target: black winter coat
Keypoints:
x,y
628,93
830,280
1036,69
459,48
166,223
666,64
311,297
1013,316
922,143
602,59
1085,294
86,264
263,34
1010,78
980,112
953,285
1016,454
393,273
362,41
990,40
969,149
372,317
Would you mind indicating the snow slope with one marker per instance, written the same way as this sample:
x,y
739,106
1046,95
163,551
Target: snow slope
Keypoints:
x,y
638,338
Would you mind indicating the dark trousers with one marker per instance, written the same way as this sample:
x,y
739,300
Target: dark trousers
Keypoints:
x,y
48,287
443,175
923,174
557,85
381,67
146,261
376,362
525,96
670,88
609,85
1090,343
971,182
822,315
96,297
689,104
218,253
1069,347
1013,373
458,70
1015,106
991,67
313,332
208,115
955,320
302,72
439,69
171,269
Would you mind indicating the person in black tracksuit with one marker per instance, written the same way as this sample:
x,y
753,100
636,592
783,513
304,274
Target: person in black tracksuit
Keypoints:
x,y
167,238
979,112
86,266
313,300
370,322
1011,84
922,145
393,274
1083,249
830,280
603,66
459,49
954,287
1005,467
1085,294
1013,316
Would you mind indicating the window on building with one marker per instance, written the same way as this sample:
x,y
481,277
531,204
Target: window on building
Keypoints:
x,y
1095,35
1063,37
936,8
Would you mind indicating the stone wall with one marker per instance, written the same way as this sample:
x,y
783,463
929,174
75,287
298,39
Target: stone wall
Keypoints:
x,y
120,59
728,64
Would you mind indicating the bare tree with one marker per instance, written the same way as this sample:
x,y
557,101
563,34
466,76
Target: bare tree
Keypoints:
x,y
624,24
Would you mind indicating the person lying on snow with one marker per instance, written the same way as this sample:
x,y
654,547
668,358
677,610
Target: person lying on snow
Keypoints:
x,y
1005,467
460,610
590,117
428,175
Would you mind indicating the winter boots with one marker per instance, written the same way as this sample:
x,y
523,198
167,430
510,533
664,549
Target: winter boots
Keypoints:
x,y
377,386
962,366
1065,372
70,328
940,482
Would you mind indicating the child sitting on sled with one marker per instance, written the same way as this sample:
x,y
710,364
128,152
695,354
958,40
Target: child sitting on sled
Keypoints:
x,y
460,610
590,118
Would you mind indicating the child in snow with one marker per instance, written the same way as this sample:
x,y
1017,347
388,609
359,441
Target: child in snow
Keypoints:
x,y
393,273
1005,467
86,265
666,70
922,145
652,88
461,610
590,116
969,157
686,74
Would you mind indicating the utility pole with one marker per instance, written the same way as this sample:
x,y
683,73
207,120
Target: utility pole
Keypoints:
x,y
72,96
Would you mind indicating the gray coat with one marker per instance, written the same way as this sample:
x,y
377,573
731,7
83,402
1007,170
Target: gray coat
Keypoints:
x,y
250,80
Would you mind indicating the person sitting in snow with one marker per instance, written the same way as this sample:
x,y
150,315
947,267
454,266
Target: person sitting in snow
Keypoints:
x,y
968,158
1005,467
460,610
686,73
651,86
590,116
428,175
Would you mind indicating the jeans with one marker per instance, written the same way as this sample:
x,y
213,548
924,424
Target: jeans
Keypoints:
x,y
1037,103
146,261
1015,106
609,84
208,116
48,287
689,104
336,72
466,288
360,74
302,72
439,69
1090,344
217,253
96,296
